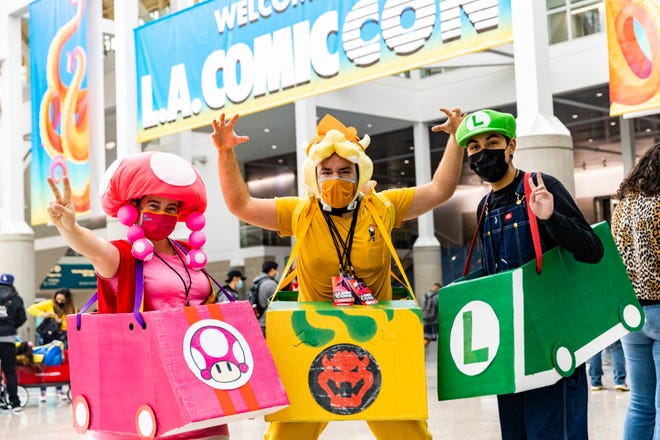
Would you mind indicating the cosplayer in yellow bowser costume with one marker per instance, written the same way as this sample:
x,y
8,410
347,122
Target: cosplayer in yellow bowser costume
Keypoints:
x,y
336,175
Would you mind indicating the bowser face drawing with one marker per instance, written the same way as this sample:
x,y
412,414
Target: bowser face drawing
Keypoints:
x,y
218,354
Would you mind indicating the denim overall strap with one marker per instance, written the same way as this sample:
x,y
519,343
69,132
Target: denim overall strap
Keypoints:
x,y
506,235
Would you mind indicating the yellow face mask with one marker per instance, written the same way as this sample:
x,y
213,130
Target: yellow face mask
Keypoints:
x,y
337,191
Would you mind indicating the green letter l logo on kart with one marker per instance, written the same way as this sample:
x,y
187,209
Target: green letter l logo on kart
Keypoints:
x,y
470,355
474,338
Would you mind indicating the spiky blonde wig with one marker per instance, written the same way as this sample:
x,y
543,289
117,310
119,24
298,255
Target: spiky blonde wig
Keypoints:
x,y
333,137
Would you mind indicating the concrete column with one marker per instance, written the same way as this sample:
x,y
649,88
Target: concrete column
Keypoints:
x,y
181,142
544,143
114,230
96,107
305,110
426,250
627,127
126,19
16,236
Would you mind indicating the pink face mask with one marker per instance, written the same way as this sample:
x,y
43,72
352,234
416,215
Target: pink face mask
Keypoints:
x,y
158,225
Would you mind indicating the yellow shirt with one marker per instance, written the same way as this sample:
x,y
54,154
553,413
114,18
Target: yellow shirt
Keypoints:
x,y
317,260
39,309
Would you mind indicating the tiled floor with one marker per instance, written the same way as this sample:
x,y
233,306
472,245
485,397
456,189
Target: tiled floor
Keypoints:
x,y
473,419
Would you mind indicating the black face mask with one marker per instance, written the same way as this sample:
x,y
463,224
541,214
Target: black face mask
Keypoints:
x,y
61,305
490,165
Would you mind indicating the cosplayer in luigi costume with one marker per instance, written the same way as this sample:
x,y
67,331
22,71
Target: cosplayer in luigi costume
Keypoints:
x,y
559,410
341,235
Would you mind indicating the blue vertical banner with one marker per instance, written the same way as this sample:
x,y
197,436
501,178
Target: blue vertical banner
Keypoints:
x,y
58,84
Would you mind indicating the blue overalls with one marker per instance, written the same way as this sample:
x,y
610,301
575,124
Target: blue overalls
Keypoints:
x,y
506,237
557,411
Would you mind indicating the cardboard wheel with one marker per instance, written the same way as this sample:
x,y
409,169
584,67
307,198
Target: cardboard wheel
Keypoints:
x,y
563,359
145,422
631,316
81,414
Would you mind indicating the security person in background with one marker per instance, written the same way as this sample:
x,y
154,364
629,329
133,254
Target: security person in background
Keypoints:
x,y
233,284
12,316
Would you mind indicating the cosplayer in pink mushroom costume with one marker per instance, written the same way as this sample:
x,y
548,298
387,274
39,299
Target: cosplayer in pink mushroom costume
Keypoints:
x,y
148,192
125,183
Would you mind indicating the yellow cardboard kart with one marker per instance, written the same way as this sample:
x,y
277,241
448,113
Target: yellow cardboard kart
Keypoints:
x,y
349,363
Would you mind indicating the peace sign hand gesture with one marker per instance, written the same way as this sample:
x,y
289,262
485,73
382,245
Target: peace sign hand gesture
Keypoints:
x,y
541,200
224,137
61,211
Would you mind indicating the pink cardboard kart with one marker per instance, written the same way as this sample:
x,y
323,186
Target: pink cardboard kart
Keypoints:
x,y
184,369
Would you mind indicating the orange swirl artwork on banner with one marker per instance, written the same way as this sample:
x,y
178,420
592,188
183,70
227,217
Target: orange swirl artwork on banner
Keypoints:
x,y
633,36
60,123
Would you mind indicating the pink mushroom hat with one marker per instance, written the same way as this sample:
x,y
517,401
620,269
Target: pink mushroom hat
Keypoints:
x,y
161,174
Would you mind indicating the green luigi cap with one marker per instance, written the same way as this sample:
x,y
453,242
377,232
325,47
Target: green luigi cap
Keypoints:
x,y
485,121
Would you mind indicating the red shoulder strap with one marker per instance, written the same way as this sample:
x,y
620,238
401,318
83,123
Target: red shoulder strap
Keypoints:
x,y
533,225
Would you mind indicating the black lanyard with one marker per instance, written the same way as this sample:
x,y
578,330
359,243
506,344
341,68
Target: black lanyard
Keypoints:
x,y
186,287
343,247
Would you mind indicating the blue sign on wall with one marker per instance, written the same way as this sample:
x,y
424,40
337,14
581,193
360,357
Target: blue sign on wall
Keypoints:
x,y
73,276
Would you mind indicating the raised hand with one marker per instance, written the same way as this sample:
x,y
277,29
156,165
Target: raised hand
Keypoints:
x,y
61,211
454,118
224,136
541,200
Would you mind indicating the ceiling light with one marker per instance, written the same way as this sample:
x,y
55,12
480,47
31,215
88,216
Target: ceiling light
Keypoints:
x,y
280,160
648,130
266,130
599,94
411,148
278,181
407,161
403,173
574,116
369,125
274,147
612,123
590,140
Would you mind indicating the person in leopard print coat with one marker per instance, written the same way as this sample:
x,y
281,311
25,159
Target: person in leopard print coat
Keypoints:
x,y
636,229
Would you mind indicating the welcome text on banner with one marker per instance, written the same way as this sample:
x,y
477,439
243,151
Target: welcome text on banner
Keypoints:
x,y
250,55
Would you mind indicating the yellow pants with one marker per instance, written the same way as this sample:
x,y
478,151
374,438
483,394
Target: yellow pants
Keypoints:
x,y
383,430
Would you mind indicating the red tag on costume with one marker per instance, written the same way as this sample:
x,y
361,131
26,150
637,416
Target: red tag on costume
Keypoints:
x,y
361,291
508,216
341,293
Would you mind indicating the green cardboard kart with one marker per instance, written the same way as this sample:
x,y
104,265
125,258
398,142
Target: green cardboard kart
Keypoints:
x,y
519,330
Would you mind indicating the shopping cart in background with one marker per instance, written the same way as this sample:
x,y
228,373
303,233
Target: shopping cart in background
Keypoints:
x,y
46,365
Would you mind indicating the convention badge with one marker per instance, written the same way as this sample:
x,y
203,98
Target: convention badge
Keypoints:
x,y
341,293
361,291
